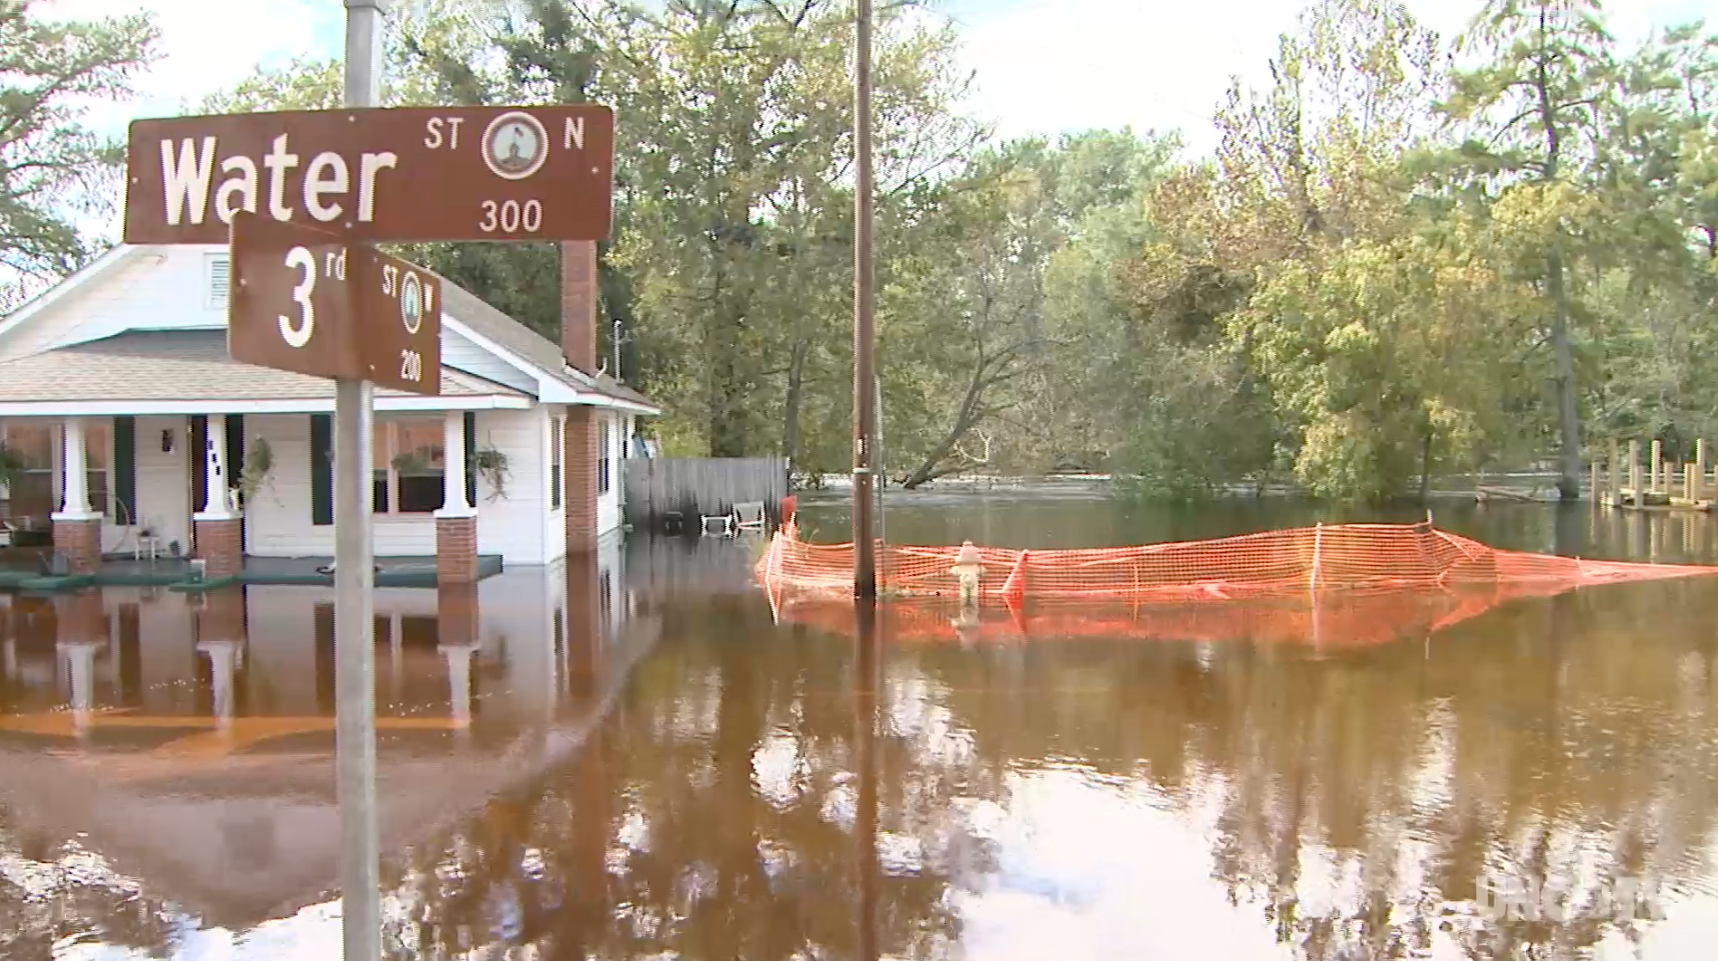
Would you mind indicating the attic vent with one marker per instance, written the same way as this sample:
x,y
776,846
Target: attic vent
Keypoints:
x,y
218,270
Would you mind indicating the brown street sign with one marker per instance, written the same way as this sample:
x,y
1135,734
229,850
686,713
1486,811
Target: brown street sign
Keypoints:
x,y
289,299
382,174
397,318
308,301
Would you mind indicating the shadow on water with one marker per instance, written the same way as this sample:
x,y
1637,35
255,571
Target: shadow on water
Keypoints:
x,y
649,764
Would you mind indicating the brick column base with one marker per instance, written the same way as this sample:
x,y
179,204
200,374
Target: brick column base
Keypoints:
x,y
456,613
455,550
222,615
580,464
80,542
218,543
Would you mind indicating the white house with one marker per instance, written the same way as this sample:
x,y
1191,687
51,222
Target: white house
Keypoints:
x,y
136,428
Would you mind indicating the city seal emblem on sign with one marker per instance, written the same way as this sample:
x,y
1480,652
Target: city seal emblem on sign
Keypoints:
x,y
412,303
515,145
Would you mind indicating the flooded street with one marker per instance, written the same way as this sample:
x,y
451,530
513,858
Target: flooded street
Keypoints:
x,y
645,756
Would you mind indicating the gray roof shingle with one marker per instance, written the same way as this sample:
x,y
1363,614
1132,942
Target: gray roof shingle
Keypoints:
x,y
179,365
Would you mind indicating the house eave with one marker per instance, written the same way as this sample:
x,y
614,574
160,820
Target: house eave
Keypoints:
x,y
121,408
113,257
551,391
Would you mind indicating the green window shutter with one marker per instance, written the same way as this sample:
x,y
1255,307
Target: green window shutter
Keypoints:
x,y
321,469
125,467
470,452
199,455
235,448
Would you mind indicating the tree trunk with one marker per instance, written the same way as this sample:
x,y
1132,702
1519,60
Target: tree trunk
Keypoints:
x,y
790,405
1568,413
964,421
1426,466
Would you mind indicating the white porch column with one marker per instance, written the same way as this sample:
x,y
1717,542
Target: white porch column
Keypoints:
x,y
459,681
223,662
453,503
80,677
216,504
73,470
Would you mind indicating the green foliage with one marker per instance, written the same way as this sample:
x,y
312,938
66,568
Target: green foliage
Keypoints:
x,y
493,466
52,168
11,465
1389,270
259,464
302,84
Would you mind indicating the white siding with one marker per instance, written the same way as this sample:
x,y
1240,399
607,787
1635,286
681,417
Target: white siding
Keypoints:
x,y
462,354
555,520
608,505
158,287
164,480
513,526
278,519
278,523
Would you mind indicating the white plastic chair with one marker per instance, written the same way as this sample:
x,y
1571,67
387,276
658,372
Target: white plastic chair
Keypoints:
x,y
750,515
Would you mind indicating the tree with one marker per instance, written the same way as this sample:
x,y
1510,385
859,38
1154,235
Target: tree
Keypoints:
x,y
963,315
301,84
1538,106
53,168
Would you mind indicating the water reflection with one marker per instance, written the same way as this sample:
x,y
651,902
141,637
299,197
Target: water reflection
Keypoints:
x,y
185,744
664,770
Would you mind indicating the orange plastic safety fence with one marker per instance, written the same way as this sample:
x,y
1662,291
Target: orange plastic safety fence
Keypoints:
x,y
1281,563
1330,621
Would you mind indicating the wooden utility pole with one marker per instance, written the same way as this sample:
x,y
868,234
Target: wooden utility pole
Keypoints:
x,y
864,338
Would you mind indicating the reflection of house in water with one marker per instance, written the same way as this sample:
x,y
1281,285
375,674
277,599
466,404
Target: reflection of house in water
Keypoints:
x,y
192,739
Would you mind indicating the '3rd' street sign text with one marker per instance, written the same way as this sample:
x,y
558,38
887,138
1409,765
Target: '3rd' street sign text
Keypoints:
x,y
304,300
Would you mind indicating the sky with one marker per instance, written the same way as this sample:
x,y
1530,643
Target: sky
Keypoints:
x,y
1041,66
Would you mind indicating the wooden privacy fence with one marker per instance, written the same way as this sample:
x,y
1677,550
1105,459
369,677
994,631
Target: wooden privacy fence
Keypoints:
x,y
696,486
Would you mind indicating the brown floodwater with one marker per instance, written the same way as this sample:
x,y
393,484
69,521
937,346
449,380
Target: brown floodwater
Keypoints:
x,y
644,756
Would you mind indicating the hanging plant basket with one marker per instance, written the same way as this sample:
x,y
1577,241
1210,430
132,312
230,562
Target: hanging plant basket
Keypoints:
x,y
491,465
259,464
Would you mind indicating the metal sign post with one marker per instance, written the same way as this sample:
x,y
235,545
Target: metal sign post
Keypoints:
x,y
354,580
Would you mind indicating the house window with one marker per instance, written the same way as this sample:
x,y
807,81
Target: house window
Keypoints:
x,y
557,450
603,448
32,494
409,465
98,457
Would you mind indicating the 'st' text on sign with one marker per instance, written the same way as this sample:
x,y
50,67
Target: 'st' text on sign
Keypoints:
x,y
391,174
305,300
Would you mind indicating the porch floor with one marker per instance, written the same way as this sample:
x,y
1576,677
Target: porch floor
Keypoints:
x,y
18,568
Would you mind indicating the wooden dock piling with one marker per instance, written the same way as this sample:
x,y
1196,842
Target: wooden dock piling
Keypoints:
x,y
1613,491
1697,491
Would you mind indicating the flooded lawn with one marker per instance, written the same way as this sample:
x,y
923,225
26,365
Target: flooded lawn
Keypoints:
x,y
642,757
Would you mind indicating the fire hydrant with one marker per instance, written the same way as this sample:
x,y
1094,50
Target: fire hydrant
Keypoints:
x,y
968,568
